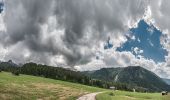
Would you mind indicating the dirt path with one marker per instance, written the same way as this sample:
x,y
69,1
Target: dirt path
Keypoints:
x,y
90,96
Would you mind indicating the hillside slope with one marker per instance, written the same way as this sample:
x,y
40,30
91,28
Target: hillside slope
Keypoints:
x,y
134,76
25,87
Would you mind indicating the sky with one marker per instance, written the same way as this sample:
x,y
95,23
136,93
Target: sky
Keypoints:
x,y
87,34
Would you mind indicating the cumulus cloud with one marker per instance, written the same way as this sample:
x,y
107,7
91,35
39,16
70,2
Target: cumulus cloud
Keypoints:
x,y
83,23
73,32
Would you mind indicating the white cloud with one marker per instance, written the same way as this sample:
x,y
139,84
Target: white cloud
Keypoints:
x,y
112,58
137,50
101,18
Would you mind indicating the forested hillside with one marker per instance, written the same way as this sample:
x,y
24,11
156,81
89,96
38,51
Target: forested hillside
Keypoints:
x,y
59,73
135,76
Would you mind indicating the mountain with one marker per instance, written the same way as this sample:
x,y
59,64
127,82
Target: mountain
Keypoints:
x,y
106,74
8,66
134,76
167,81
9,63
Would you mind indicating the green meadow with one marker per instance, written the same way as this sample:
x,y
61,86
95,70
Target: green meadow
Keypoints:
x,y
25,87
123,95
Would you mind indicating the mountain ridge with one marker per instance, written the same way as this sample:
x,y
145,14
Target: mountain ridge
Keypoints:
x,y
135,76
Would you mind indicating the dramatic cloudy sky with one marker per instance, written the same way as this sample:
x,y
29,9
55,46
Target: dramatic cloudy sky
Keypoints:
x,y
87,34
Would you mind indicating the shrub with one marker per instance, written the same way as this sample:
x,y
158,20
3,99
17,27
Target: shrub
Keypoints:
x,y
111,94
16,73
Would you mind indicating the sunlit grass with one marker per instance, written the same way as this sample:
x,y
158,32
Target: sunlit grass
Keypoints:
x,y
25,87
123,95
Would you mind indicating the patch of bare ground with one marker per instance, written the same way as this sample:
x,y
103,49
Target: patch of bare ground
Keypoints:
x,y
128,97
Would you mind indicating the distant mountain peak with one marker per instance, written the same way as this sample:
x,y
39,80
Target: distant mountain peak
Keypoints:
x,y
10,61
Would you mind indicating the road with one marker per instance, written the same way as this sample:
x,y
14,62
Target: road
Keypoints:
x,y
90,96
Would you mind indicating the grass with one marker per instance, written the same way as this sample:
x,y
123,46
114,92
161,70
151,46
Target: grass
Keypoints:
x,y
25,87
123,95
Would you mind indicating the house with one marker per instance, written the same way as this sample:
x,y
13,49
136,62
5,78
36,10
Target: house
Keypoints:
x,y
112,88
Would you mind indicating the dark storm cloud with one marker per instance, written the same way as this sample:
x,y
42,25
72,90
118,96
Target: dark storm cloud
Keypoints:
x,y
24,18
102,15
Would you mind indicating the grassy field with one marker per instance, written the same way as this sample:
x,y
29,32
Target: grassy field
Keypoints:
x,y
122,95
25,87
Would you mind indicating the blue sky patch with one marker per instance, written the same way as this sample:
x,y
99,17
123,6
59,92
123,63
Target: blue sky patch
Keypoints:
x,y
144,40
108,45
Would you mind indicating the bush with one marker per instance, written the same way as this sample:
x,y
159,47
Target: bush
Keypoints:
x,y
16,73
111,94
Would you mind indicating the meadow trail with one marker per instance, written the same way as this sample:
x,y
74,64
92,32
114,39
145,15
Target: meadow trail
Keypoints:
x,y
90,96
